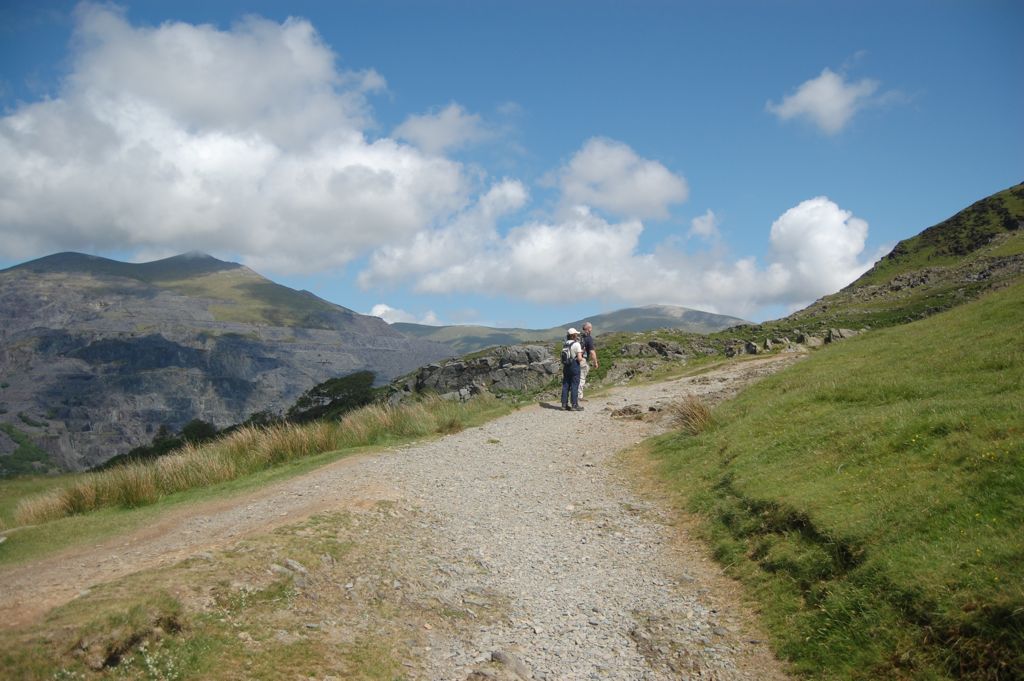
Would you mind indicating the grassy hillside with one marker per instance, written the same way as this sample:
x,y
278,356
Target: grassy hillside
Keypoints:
x,y
235,293
873,496
980,249
961,236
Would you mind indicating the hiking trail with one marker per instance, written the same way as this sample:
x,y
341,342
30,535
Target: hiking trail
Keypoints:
x,y
596,580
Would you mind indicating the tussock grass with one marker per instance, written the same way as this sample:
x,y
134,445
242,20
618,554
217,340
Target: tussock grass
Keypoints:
x,y
690,415
873,498
245,451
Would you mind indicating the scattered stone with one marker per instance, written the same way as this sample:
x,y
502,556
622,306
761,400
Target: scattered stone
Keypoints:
x,y
512,662
630,410
296,566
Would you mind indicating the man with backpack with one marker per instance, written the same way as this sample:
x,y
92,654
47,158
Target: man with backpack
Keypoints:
x,y
589,355
572,357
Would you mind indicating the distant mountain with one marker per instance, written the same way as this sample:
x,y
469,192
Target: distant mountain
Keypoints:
x,y
465,339
96,354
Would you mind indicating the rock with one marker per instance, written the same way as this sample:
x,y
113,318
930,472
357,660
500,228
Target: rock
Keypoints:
x,y
296,566
630,410
513,663
653,348
809,340
280,570
751,348
839,334
515,368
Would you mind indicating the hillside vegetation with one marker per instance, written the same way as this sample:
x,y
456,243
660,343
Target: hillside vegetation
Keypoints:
x,y
873,497
955,261
245,451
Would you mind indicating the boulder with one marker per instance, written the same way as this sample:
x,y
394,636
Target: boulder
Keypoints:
x,y
809,340
839,334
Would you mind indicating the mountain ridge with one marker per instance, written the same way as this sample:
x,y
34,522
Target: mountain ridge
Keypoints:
x,y
96,355
470,338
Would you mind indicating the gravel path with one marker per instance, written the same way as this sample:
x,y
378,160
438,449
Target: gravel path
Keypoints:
x,y
528,510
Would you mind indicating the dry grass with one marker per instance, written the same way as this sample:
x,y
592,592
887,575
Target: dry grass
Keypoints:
x,y
691,415
244,451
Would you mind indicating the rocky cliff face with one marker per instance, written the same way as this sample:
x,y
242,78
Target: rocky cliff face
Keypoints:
x,y
96,355
510,368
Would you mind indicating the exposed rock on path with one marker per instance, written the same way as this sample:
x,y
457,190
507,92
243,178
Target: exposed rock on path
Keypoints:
x,y
596,582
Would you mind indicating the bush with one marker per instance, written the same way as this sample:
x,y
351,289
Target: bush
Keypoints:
x,y
691,415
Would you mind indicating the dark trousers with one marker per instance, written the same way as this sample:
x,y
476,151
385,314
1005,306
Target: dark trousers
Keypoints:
x,y
571,383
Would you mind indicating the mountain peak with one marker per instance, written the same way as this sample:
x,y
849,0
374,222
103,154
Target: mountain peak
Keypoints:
x,y
183,266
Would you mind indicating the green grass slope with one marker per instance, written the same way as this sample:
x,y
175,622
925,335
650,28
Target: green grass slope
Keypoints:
x,y
873,496
978,249
233,293
963,235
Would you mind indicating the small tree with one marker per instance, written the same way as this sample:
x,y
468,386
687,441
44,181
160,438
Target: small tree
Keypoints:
x,y
334,397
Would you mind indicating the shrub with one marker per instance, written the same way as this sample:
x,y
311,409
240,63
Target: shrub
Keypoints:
x,y
691,415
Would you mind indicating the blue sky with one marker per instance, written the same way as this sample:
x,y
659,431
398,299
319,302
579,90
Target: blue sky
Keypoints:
x,y
507,163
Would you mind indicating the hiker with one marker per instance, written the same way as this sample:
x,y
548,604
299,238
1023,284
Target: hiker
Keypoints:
x,y
572,357
589,355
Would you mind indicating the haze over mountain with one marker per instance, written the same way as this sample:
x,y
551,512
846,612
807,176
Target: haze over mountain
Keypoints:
x,y
97,354
469,338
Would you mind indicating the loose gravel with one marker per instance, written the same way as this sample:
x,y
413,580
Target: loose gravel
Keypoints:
x,y
528,511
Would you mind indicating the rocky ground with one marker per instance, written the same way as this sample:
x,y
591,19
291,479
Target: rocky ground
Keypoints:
x,y
545,559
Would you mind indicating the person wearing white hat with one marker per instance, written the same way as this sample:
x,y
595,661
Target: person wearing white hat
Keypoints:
x,y
572,356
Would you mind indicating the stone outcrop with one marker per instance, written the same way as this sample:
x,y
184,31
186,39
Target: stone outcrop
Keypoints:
x,y
654,348
809,340
834,335
510,368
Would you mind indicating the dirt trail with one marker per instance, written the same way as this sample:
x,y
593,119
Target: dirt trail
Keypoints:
x,y
592,582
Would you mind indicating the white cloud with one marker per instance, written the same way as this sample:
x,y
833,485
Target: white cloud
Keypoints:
x,y
392,315
610,176
704,226
816,248
471,232
449,129
828,101
181,137
819,245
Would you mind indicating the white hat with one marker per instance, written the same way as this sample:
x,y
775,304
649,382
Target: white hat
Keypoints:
x,y
572,332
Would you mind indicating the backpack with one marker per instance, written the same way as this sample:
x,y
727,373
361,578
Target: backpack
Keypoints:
x,y
567,356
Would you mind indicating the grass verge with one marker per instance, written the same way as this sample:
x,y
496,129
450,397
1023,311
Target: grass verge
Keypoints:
x,y
91,506
873,498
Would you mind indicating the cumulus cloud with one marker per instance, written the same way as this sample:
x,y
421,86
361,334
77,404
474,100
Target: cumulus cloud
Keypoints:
x,y
471,232
816,248
181,137
392,315
610,176
449,129
828,101
819,246
704,226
